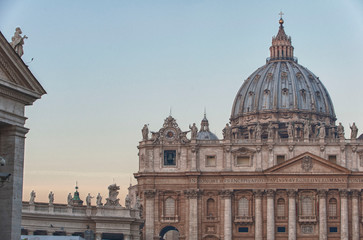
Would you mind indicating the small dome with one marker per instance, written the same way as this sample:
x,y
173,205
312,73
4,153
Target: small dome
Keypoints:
x,y
204,133
206,136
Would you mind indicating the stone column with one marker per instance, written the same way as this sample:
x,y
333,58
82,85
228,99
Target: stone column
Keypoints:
x,y
227,228
355,215
344,230
322,215
270,214
292,214
149,195
258,215
12,140
193,195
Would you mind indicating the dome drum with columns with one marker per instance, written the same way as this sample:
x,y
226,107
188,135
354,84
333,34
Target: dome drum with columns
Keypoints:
x,y
282,92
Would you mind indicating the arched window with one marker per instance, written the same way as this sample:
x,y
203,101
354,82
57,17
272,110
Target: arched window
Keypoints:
x,y
169,207
266,99
243,207
285,97
280,207
332,209
307,206
250,101
211,208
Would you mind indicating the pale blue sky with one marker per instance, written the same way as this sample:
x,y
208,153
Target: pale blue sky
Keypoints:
x,y
111,66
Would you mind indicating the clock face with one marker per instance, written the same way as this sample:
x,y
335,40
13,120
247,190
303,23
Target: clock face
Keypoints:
x,y
169,134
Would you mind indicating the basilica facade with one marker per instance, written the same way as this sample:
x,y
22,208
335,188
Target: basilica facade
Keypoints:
x,y
283,170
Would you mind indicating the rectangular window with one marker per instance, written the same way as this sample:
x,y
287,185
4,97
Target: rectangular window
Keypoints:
x,y
243,161
332,158
170,158
280,159
210,161
243,229
333,229
281,229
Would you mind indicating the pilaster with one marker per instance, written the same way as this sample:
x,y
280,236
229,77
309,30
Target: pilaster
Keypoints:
x,y
344,228
258,215
292,214
227,197
12,140
322,215
270,214
355,214
193,195
149,213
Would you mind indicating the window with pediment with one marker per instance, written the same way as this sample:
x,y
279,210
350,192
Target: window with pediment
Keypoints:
x,y
332,207
243,207
280,211
307,206
169,207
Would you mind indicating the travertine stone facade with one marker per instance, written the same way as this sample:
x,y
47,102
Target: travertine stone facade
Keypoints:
x,y
283,170
18,88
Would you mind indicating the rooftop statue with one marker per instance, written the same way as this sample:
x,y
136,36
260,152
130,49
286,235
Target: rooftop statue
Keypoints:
x,y
194,131
69,199
227,132
51,198
88,200
17,41
145,133
127,201
340,131
99,200
32,197
354,131
112,199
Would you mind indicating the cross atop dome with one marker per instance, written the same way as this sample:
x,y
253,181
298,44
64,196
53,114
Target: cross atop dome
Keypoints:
x,y
281,13
281,21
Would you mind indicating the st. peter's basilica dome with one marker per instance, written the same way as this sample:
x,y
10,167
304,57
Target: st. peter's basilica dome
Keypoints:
x,y
282,91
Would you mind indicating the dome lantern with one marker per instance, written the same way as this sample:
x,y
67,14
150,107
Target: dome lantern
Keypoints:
x,y
281,48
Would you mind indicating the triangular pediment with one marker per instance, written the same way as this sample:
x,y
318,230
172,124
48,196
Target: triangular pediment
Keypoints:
x,y
307,163
243,150
14,74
